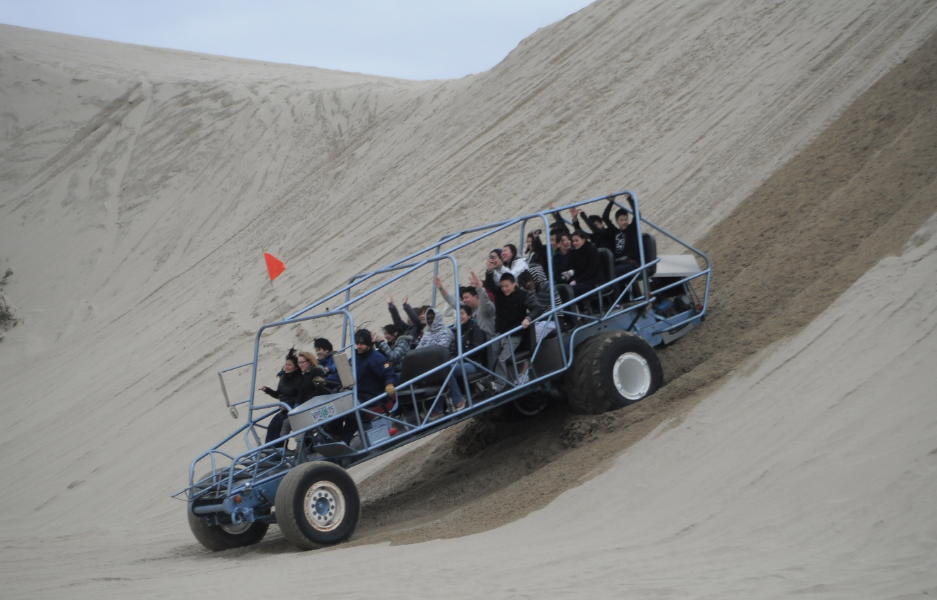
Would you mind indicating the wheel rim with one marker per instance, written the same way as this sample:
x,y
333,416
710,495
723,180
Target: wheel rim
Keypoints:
x,y
236,528
530,407
632,376
324,506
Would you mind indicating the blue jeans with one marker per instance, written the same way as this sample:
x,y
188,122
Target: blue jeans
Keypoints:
x,y
454,391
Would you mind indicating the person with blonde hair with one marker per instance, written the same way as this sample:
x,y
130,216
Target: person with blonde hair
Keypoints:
x,y
311,383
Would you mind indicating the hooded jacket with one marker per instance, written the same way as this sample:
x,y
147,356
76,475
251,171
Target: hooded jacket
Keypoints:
x,y
395,354
437,334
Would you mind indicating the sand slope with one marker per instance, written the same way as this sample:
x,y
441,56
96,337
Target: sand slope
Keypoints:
x,y
137,186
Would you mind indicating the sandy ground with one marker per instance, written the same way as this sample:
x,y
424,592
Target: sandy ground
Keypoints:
x,y
138,185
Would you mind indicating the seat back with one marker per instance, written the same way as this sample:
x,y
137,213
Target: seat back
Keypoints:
x,y
567,295
419,361
565,292
343,368
650,251
606,265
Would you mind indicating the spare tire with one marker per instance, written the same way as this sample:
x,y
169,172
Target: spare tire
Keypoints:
x,y
612,370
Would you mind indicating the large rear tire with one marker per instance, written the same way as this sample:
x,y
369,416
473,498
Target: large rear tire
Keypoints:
x,y
225,537
317,505
612,370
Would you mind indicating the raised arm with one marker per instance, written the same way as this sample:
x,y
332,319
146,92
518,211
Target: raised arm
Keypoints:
x,y
606,215
411,313
450,300
395,315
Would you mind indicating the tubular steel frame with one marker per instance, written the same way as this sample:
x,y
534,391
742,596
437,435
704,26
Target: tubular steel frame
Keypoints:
x,y
263,463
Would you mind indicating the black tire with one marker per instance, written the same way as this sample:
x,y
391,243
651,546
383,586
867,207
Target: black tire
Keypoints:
x,y
612,370
317,505
225,537
526,407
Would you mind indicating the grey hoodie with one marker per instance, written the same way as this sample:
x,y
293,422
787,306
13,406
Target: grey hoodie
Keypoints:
x,y
436,334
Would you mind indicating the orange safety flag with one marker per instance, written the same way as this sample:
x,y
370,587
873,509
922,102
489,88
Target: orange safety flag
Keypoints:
x,y
275,266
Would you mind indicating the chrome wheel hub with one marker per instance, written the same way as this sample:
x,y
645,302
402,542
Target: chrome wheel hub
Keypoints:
x,y
324,506
632,376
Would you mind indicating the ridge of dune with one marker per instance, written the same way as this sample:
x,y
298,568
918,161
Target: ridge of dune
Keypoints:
x,y
137,186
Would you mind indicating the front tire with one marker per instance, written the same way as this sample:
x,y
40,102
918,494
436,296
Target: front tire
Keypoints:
x,y
612,370
317,505
225,537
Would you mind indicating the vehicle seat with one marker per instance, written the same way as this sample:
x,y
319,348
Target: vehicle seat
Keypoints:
x,y
606,274
650,251
566,295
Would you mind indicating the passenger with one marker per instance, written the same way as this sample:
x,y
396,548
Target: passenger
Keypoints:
x,y
472,337
394,346
535,281
287,392
514,308
324,354
535,252
584,274
373,376
559,225
311,383
438,334
493,265
512,263
413,329
561,255
625,241
483,309
602,236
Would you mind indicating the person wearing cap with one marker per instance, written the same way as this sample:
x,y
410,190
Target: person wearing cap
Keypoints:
x,y
373,372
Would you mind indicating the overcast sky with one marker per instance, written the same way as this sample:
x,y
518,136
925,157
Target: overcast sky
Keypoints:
x,y
413,39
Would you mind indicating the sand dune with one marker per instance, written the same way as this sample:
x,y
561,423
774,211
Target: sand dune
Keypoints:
x,y
138,185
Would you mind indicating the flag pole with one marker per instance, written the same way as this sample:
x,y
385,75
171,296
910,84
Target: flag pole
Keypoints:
x,y
272,287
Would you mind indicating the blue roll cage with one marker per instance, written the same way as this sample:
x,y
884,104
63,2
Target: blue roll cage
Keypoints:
x,y
261,464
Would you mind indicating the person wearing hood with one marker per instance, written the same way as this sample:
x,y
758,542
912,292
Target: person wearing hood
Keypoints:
x,y
394,346
437,334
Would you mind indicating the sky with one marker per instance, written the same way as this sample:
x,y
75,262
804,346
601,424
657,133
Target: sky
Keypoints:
x,y
410,39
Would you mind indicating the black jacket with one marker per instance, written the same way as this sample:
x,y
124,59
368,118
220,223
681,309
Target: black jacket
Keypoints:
x,y
510,311
473,337
287,388
311,383
584,262
603,238
624,241
414,331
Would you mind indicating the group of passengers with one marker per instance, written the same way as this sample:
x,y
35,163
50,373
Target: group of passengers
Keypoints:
x,y
305,376
514,293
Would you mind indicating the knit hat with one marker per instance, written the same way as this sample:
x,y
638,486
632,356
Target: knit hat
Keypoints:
x,y
363,336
